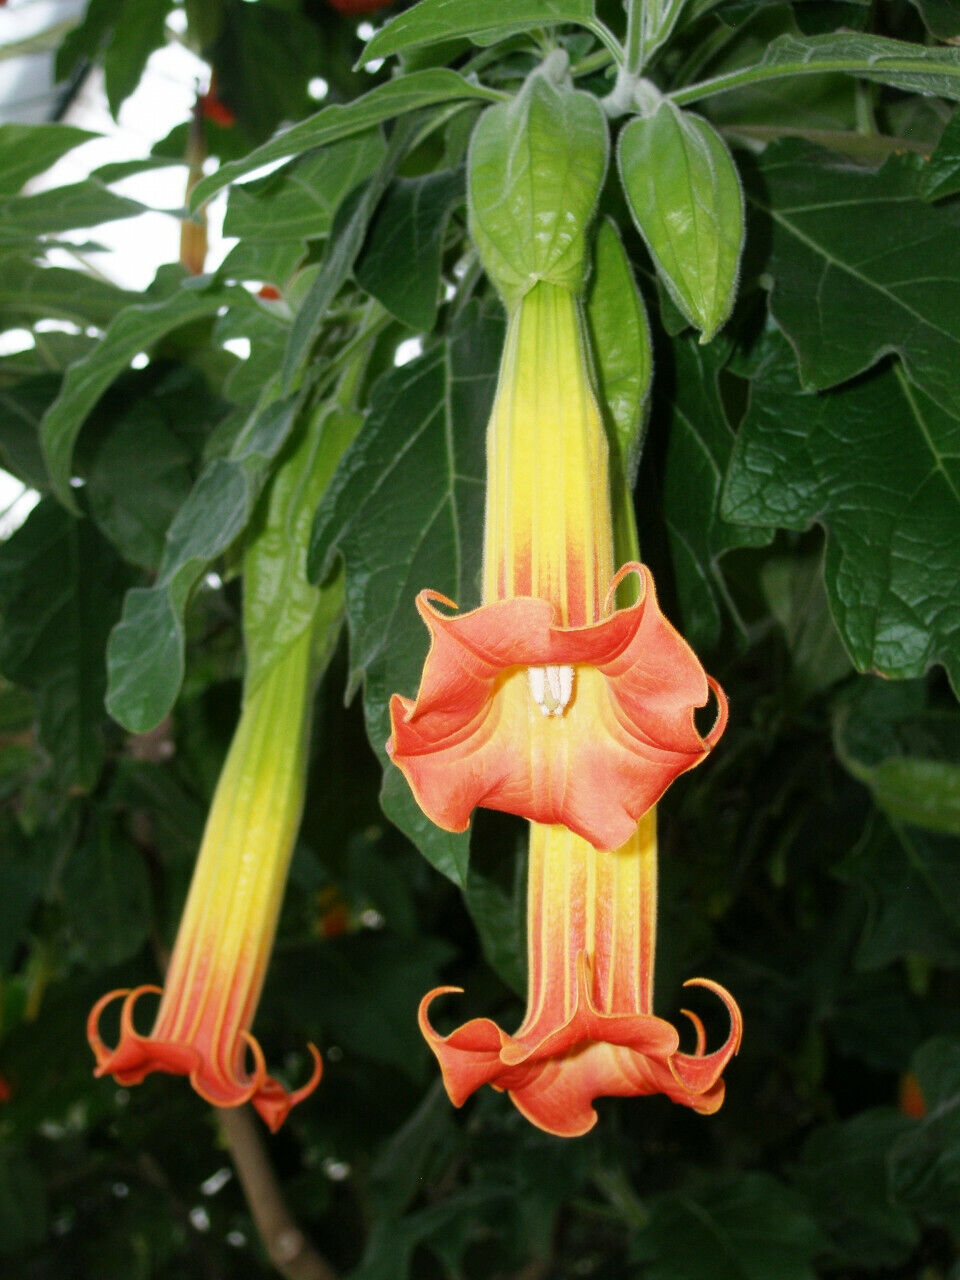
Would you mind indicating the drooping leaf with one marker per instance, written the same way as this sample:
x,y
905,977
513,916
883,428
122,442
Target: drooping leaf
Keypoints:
x,y
699,446
750,1229
851,271
60,592
145,657
138,30
340,120
29,292
135,329
435,21
906,66
29,149
876,464
941,16
400,266
794,590
82,204
685,196
424,434
843,1174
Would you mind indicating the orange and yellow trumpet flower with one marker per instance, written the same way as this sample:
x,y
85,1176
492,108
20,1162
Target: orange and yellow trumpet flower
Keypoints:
x,y
543,702
589,1029
549,703
216,971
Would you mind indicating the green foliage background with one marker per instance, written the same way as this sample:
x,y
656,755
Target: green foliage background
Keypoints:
x,y
799,502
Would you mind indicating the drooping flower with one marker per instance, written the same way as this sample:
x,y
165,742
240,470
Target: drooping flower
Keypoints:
x,y
544,702
216,970
589,1029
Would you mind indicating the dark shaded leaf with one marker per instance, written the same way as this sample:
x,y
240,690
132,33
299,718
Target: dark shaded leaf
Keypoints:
x,y
875,463
925,1163
424,434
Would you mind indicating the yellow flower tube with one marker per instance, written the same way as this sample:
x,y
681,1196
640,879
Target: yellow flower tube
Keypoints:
x,y
216,971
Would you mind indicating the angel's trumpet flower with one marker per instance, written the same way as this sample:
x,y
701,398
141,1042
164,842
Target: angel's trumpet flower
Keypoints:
x,y
589,1029
544,702
216,971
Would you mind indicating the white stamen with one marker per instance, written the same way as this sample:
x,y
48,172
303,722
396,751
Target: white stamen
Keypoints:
x,y
551,688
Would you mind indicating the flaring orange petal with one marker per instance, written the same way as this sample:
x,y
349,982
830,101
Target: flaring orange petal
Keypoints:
x,y
474,737
135,1056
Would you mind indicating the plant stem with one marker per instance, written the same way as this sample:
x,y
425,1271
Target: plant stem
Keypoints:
x,y
287,1247
635,33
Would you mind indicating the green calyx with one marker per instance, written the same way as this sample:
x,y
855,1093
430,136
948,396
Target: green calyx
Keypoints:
x,y
535,169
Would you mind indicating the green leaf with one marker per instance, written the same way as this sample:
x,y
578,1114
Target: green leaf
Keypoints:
x,y
876,464
29,292
536,166
749,1229
135,329
424,435
60,590
914,68
621,346
106,896
278,601
139,29
345,243
925,1172
911,881
685,196
299,202
29,149
851,268
400,266
145,658
843,1174
341,120
699,446
82,204
436,21
941,175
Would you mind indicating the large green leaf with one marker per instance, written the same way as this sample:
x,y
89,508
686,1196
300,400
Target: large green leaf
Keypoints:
x,y
699,445
400,266
925,1164
877,464
685,196
843,1173
851,267
912,67
60,592
135,329
299,202
145,658
341,120
435,21
750,1229
29,149
941,16
424,435
139,29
